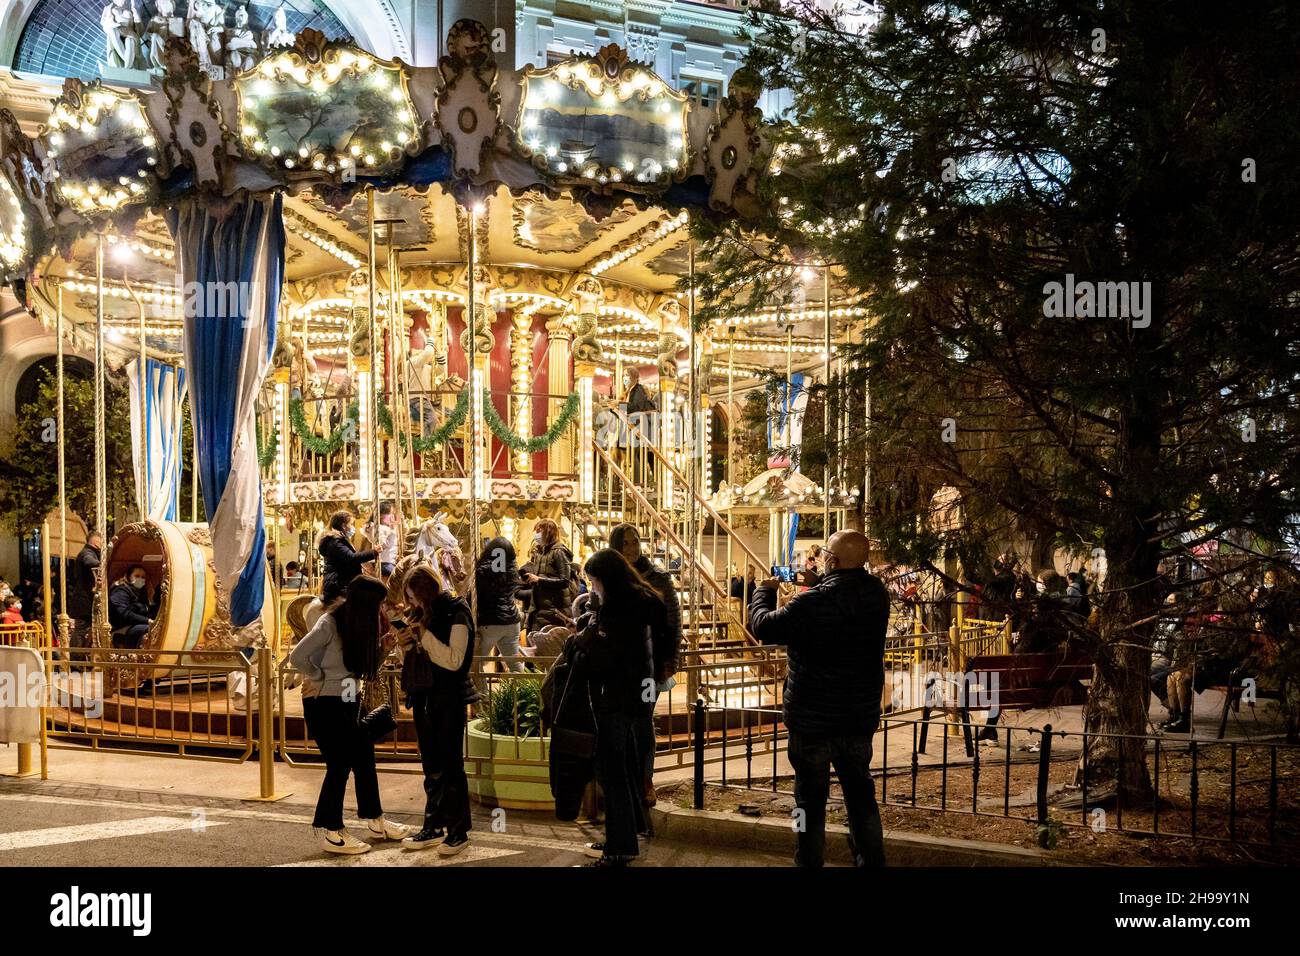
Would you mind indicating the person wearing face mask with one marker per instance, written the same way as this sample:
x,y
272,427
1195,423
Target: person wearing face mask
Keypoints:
x,y
13,612
834,635
547,577
342,561
129,611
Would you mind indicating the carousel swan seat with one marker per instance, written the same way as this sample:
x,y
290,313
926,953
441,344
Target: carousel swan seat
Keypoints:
x,y
192,612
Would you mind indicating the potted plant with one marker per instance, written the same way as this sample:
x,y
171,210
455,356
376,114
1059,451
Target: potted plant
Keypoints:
x,y
506,754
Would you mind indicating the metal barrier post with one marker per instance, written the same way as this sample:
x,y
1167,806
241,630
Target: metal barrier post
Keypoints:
x,y
1044,765
265,724
699,754
24,750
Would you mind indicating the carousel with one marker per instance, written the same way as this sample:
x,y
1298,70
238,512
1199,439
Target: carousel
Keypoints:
x,y
371,284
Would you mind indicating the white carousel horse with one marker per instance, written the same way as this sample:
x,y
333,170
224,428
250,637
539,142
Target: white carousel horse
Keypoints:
x,y
439,547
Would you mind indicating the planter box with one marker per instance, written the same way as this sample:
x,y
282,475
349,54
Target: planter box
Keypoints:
x,y
506,771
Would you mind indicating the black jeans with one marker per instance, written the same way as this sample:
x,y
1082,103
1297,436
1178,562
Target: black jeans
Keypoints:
x,y
812,756
645,746
619,771
131,637
440,729
332,723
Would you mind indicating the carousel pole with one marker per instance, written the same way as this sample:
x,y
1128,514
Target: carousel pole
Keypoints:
x,y
826,402
692,476
731,450
786,549
394,366
142,489
475,402
65,628
372,393
100,628
47,646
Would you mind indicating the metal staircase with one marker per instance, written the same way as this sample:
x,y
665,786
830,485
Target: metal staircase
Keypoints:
x,y
724,663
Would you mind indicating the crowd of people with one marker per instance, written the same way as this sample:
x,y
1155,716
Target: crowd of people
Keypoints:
x,y
614,628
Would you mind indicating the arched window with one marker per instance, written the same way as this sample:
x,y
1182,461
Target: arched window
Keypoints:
x,y
64,38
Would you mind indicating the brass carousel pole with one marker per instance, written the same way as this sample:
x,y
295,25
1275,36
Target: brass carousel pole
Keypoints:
x,y
785,546
372,393
692,477
100,628
826,402
142,487
65,628
475,401
395,366
731,449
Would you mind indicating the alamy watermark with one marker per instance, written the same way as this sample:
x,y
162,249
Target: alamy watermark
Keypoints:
x,y
1098,300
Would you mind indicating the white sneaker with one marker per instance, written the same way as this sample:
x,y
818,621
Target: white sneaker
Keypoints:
x,y
340,841
386,829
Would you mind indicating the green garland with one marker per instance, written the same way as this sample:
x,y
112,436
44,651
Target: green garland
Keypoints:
x,y
313,442
424,444
266,456
537,442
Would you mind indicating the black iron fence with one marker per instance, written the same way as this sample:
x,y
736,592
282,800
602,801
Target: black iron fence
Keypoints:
x,y
1239,792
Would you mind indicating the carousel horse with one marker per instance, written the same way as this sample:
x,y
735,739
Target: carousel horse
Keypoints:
x,y
440,549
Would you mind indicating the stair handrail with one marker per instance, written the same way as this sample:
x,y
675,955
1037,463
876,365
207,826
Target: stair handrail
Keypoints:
x,y
666,527
676,472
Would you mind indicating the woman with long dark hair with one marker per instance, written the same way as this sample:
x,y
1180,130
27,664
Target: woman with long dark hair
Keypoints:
x,y
342,650
342,561
625,616
436,644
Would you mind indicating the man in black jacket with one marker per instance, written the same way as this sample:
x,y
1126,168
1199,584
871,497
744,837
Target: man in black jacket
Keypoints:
x,y
834,634
81,589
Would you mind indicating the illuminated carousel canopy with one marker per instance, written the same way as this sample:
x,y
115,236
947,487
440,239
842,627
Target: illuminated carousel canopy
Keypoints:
x,y
328,117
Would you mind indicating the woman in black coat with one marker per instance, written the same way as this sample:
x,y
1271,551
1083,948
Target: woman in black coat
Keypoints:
x,y
342,561
618,639
496,581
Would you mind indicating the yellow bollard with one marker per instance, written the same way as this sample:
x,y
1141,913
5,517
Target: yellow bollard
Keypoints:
x,y
265,728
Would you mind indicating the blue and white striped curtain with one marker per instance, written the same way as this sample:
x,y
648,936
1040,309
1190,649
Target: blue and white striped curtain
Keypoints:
x,y
786,432
156,436
230,266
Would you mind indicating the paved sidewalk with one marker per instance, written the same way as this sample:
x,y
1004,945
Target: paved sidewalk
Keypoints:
x,y
104,809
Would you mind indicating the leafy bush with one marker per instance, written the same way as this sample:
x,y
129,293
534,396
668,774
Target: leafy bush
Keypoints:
x,y
514,708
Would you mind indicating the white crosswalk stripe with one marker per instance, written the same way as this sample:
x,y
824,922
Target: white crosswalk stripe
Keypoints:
x,y
108,830
396,856
507,839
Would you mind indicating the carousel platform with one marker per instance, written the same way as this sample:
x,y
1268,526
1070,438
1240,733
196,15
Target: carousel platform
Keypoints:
x,y
204,712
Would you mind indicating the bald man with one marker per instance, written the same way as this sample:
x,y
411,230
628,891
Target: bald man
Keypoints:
x,y
834,634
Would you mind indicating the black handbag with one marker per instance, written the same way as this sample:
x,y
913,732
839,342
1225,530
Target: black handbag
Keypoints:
x,y
565,740
379,722
417,671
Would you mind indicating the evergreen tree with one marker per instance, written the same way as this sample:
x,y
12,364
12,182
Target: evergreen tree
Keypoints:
x,y
973,167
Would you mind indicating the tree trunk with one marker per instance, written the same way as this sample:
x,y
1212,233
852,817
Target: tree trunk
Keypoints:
x,y
1118,700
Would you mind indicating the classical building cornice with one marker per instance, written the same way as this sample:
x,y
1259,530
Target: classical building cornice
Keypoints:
x,y
28,98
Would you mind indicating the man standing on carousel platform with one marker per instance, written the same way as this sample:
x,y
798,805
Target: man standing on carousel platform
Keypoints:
x,y
82,578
